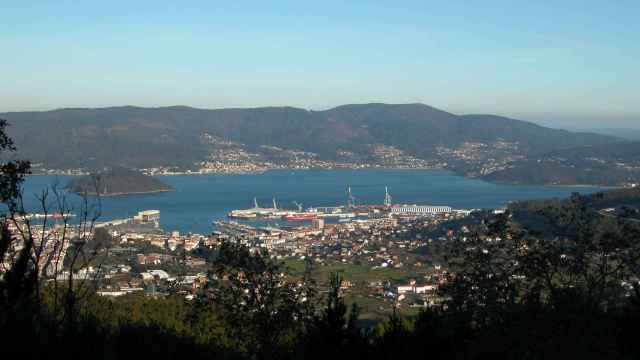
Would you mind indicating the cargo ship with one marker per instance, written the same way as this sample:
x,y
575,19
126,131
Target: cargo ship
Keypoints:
x,y
299,216
257,212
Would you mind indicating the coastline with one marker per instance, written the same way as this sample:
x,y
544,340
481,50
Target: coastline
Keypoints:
x,y
262,171
517,183
123,193
398,168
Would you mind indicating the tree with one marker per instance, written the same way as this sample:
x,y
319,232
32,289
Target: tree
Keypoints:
x,y
262,309
508,281
330,332
35,247
18,280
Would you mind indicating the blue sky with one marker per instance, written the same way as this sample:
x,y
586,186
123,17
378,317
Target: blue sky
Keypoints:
x,y
563,63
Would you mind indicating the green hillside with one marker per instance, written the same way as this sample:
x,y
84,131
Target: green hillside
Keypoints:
x,y
173,136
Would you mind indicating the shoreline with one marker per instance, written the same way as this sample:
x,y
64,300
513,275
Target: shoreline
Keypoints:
x,y
122,193
516,183
260,172
344,168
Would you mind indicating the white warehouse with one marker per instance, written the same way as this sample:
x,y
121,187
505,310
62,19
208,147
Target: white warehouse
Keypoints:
x,y
420,209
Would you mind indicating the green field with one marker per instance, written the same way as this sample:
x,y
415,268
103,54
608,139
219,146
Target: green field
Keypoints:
x,y
372,309
351,272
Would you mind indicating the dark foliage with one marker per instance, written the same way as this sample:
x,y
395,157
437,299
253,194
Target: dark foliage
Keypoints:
x,y
116,181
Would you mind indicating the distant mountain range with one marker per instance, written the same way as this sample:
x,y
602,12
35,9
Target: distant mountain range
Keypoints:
x,y
629,134
185,137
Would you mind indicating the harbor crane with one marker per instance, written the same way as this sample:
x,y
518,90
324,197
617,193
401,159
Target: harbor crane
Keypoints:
x,y
387,197
298,205
351,200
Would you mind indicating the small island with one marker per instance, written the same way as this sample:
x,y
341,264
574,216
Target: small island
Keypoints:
x,y
116,181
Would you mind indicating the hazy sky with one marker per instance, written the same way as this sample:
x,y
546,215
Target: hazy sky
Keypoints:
x,y
564,63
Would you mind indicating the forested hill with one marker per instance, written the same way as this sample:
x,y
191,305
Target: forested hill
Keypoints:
x,y
180,136
116,181
605,199
610,164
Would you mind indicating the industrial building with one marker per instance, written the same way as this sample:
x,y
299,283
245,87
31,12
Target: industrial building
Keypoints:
x,y
420,210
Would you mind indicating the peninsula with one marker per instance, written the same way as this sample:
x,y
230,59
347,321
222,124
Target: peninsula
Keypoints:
x,y
116,181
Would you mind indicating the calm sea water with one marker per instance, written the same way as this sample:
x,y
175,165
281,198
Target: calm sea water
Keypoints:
x,y
198,200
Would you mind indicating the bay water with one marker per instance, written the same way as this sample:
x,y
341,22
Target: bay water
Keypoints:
x,y
197,200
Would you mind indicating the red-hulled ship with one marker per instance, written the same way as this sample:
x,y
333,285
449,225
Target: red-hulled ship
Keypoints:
x,y
299,216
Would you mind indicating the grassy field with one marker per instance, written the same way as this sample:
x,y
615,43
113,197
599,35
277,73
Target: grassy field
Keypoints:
x,y
351,272
372,309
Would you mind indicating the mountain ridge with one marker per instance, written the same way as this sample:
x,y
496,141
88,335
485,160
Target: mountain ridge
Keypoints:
x,y
142,137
